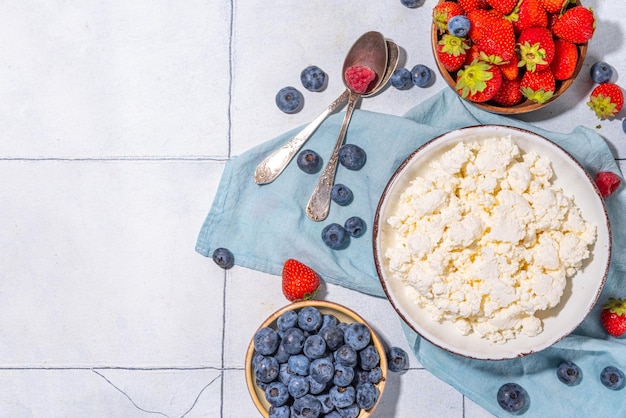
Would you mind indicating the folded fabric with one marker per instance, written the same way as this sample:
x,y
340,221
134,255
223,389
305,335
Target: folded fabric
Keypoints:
x,y
265,225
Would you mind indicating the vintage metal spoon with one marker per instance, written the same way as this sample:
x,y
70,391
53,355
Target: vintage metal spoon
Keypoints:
x,y
319,203
274,164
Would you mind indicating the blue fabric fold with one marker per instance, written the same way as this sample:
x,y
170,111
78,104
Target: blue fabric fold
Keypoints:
x,y
265,225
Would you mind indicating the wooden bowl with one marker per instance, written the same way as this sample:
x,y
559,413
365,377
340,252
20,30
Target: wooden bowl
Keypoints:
x,y
525,105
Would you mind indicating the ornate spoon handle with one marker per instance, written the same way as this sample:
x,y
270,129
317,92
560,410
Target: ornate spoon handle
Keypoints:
x,y
319,203
275,163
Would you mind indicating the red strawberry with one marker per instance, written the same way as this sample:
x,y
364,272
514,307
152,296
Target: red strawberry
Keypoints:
x,y
510,70
554,6
300,282
471,5
536,48
443,11
451,51
509,94
606,100
575,25
498,40
481,20
472,54
538,86
479,81
565,59
529,14
607,182
613,317
503,6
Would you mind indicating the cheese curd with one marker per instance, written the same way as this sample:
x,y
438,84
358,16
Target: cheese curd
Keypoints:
x,y
485,240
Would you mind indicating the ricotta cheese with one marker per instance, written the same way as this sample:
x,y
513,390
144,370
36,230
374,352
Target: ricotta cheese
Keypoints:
x,y
485,240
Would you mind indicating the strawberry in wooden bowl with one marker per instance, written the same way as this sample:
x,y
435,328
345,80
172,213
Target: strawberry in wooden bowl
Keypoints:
x,y
510,56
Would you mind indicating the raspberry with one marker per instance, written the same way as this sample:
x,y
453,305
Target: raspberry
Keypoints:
x,y
607,182
358,78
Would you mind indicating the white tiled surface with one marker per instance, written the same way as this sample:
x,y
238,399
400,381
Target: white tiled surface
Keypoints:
x,y
116,119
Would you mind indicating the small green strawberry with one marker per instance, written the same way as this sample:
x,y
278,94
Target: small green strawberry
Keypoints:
x,y
299,281
613,317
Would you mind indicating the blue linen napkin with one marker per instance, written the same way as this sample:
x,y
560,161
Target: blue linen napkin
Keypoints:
x,y
265,225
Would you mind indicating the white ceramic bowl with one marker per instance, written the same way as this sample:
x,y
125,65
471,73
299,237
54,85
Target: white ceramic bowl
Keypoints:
x,y
581,292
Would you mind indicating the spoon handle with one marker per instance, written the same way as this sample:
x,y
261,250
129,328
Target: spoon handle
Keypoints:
x,y
319,203
275,163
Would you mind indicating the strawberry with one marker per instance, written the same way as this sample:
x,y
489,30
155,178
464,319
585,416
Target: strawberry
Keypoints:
x,y
503,6
481,21
575,25
472,54
613,317
300,282
536,48
442,12
509,94
606,100
565,59
479,81
451,51
538,86
510,70
554,6
607,182
471,5
529,14
498,39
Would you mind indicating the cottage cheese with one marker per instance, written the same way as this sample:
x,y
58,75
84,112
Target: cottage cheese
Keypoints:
x,y
485,240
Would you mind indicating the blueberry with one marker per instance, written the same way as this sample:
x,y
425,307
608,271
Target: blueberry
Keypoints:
x,y
569,373
357,336
308,406
279,411
335,236
299,363
333,414
366,395
281,355
401,79
360,377
352,156
612,378
298,386
315,387
289,100
310,319
327,403
375,375
355,226
313,78
513,398
266,341
293,340
276,393
309,161
314,346
397,359
266,369
224,258
459,25
333,335
369,358
346,356
421,75
322,370
350,411
329,320
340,194
342,396
624,125
286,320
343,376
285,373
412,3
601,72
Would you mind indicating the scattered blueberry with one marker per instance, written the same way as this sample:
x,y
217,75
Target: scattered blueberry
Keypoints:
x,y
369,358
314,346
266,341
266,369
287,320
322,370
352,156
355,226
310,319
289,100
313,78
612,378
342,396
307,406
224,258
343,375
459,25
357,336
335,236
412,3
276,393
569,373
421,75
397,359
513,398
601,72
298,386
624,125
309,161
401,79
341,194
366,395
293,340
